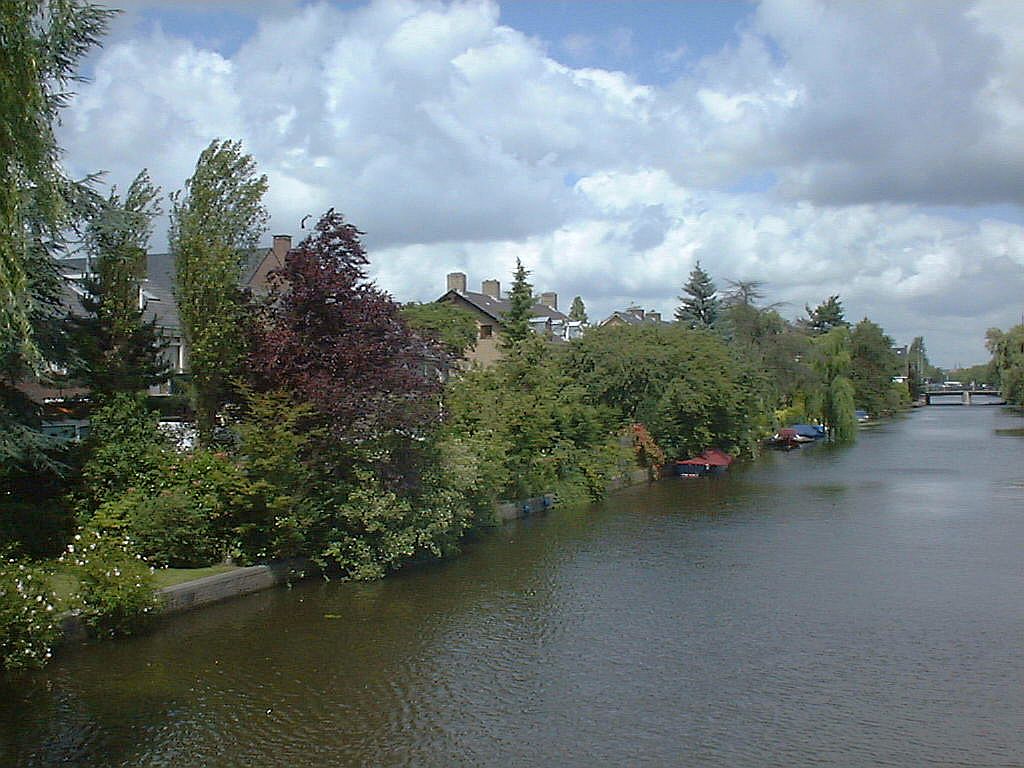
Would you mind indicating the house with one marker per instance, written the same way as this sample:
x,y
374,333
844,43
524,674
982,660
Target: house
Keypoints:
x,y
488,308
633,315
156,293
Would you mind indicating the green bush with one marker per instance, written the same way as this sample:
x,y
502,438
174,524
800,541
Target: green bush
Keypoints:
x,y
375,530
28,623
123,452
185,516
116,591
280,515
175,530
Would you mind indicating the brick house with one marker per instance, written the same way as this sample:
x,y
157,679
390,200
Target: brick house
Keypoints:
x,y
488,308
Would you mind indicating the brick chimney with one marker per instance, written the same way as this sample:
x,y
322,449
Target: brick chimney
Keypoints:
x,y
654,317
282,244
636,312
457,282
491,288
549,299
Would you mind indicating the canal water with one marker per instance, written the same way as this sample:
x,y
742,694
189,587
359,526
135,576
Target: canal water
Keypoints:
x,y
825,607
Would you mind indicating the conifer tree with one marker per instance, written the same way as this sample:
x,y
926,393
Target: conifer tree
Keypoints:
x,y
826,316
517,319
114,349
699,303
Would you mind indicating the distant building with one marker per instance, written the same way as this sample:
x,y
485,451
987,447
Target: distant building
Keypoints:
x,y
156,293
488,308
633,316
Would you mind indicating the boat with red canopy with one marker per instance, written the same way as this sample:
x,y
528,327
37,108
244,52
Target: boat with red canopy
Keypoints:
x,y
709,462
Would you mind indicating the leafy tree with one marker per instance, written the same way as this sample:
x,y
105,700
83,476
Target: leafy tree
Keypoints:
x,y
744,293
116,350
371,488
533,426
834,397
122,452
451,327
578,311
985,373
336,340
517,320
917,361
215,221
1008,357
826,316
690,389
768,341
43,40
699,305
873,365
42,43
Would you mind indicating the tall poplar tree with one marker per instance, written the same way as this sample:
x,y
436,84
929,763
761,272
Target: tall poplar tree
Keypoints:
x,y
699,303
216,220
578,310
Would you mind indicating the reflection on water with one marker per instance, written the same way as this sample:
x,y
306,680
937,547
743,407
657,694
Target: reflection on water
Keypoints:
x,y
826,606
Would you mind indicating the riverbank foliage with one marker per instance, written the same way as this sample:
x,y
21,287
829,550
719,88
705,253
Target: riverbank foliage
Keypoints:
x,y
333,424
1008,360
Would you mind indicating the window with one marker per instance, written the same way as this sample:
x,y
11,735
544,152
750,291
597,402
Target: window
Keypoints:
x,y
486,331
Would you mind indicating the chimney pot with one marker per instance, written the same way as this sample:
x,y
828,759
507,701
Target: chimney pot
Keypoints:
x,y
457,282
282,244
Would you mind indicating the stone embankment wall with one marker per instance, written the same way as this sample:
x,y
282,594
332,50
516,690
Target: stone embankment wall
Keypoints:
x,y
221,586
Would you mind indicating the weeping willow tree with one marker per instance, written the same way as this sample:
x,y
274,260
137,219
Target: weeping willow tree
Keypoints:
x,y
833,400
41,43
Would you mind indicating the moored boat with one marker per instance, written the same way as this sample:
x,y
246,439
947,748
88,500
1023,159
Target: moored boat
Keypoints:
x,y
786,439
812,431
709,462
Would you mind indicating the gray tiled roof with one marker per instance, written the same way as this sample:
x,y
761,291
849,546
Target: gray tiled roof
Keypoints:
x,y
159,289
498,308
159,285
631,319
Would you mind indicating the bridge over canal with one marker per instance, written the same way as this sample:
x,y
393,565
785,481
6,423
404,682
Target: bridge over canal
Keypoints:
x,y
965,395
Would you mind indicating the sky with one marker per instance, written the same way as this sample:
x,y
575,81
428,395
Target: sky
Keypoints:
x,y
873,150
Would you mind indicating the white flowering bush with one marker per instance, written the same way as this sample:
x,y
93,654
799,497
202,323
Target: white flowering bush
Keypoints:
x,y
28,620
116,594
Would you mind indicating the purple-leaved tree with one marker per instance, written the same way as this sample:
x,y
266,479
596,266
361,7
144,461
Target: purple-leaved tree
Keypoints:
x,y
335,340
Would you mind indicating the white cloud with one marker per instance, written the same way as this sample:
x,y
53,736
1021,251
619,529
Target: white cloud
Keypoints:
x,y
458,143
